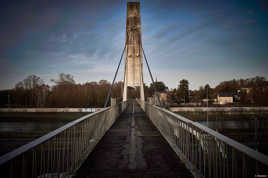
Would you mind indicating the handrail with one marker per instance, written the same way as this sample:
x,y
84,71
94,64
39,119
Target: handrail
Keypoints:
x,y
249,151
10,155
205,152
62,151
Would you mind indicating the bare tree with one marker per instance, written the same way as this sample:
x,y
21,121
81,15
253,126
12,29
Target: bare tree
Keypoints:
x,y
64,79
28,90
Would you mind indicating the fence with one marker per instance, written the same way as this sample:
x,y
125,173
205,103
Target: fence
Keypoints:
x,y
206,152
61,152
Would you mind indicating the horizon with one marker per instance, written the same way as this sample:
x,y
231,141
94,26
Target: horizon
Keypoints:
x,y
147,84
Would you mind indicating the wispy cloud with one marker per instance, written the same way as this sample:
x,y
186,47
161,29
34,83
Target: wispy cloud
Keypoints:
x,y
164,32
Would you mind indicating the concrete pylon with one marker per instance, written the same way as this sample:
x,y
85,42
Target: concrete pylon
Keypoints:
x,y
133,74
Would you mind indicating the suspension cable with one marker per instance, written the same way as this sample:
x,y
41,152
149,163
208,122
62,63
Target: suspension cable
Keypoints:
x,y
154,84
110,90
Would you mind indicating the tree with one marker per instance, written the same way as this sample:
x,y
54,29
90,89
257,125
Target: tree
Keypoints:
x,y
160,86
104,82
183,91
64,93
172,96
117,91
28,91
208,91
30,82
64,79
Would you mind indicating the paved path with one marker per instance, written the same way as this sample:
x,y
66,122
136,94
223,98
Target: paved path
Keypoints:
x,y
133,147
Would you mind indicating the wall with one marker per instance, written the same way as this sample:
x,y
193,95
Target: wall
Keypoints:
x,y
241,109
49,109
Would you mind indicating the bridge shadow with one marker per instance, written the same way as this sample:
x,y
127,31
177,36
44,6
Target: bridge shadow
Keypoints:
x,y
133,147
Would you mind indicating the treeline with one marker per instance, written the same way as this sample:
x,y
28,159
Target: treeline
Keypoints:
x,y
247,91
251,91
33,92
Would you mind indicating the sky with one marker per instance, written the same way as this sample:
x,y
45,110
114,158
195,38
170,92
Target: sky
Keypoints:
x,y
203,41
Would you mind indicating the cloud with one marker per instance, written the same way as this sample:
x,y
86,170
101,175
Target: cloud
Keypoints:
x,y
21,20
165,31
199,78
85,38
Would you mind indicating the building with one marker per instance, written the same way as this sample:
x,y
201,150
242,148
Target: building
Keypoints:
x,y
225,98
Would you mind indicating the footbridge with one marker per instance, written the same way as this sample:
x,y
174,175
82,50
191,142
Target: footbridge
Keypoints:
x,y
133,138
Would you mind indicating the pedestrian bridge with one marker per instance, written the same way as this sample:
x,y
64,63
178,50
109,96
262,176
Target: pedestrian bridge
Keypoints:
x,y
133,139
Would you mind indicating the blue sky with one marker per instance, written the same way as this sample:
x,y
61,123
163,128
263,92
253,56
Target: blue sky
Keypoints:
x,y
206,41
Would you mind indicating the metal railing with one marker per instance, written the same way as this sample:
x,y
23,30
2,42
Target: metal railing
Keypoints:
x,y
206,152
61,152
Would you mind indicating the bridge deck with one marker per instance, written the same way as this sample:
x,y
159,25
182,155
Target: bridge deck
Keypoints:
x,y
133,147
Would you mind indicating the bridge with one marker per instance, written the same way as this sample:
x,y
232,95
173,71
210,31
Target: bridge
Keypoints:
x,y
134,138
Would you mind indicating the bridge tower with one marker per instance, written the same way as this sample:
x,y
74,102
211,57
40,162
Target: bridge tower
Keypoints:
x,y
133,74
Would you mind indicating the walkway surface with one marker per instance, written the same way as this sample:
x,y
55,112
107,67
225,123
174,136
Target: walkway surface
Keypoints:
x,y
133,147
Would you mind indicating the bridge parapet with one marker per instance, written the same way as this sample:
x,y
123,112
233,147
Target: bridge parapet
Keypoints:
x,y
62,151
206,152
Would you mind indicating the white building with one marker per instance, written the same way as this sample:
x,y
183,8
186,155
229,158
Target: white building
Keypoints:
x,y
225,98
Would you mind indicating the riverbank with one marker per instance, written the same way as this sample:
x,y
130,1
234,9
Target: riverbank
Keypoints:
x,y
49,109
219,109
